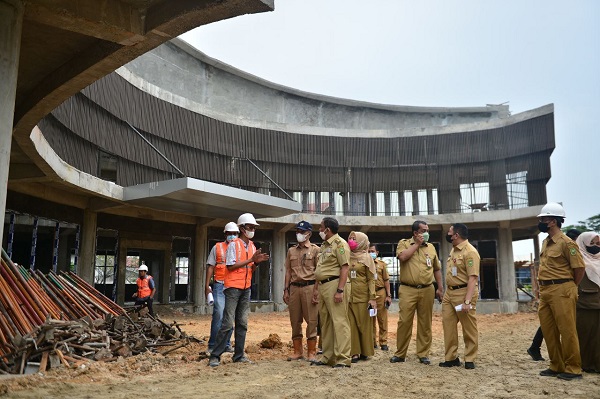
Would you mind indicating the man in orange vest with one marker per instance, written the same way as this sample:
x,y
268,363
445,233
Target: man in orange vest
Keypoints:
x,y
241,260
145,289
216,271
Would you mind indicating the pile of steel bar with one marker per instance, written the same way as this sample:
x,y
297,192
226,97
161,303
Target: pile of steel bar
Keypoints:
x,y
60,319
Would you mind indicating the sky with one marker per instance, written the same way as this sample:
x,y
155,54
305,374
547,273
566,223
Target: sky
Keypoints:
x,y
448,53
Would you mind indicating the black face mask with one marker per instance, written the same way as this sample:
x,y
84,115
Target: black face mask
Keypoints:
x,y
449,238
593,250
543,227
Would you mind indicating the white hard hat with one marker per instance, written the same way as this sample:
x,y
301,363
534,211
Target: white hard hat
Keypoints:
x,y
143,268
231,226
552,209
246,218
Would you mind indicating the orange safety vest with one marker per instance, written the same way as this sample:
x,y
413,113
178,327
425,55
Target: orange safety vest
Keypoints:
x,y
241,277
220,255
143,285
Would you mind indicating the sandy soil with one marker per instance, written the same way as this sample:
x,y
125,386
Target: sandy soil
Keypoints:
x,y
504,370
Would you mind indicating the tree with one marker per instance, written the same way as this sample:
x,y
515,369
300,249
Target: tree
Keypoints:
x,y
590,224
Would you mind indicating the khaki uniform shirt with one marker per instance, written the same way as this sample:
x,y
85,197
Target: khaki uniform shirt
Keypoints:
x,y
362,283
418,269
301,262
382,274
335,253
464,259
558,257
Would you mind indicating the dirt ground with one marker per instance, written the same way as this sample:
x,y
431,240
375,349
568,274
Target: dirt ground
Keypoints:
x,y
504,370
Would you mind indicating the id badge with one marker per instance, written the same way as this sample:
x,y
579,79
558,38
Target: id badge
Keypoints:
x,y
454,271
428,262
352,273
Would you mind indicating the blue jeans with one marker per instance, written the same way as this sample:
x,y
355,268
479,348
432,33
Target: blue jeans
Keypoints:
x,y
217,315
237,308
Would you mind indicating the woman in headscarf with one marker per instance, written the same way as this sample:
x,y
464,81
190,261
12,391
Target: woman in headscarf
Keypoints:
x,y
362,296
588,304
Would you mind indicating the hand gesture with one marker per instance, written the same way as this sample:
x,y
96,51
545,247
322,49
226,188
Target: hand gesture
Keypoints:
x,y
259,257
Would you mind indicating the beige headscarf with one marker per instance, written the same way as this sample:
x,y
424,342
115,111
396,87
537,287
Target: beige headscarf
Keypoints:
x,y
360,254
592,262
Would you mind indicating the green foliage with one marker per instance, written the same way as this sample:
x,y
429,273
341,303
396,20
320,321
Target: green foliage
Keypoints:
x,y
590,224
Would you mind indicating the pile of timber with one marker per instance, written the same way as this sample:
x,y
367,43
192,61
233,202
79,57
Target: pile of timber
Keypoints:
x,y
60,319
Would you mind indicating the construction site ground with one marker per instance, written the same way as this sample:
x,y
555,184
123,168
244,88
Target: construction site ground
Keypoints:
x,y
504,370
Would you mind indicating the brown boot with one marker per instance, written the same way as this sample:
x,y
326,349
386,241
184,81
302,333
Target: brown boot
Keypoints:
x,y
297,351
312,350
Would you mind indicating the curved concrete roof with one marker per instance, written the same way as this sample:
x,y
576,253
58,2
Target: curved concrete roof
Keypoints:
x,y
182,75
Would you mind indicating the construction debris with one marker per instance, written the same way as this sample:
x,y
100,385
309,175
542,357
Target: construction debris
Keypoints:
x,y
55,320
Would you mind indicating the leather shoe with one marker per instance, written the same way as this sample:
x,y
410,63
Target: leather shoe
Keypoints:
x,y
549,373
569,376
469,365
425,360
354,359
396,359
451,363
535,355
318,363
384,348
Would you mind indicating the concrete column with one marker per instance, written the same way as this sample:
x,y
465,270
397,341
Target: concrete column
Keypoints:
x,y
415,198
199,257
445,248
87,253
166,272
121,272
430,207
402,203
498,189
387,203
278,254
11,24
506,270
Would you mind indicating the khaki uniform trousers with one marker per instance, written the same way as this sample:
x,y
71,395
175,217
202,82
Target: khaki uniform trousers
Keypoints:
x,y
301,309
335,328
557,313
468,321
381,320
361,332
410,300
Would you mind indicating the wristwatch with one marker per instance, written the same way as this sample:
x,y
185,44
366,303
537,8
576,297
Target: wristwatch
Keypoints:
x,y
467,301
339,291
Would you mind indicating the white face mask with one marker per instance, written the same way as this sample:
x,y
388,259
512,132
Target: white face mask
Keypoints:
x,y
249,234
300,237
323,235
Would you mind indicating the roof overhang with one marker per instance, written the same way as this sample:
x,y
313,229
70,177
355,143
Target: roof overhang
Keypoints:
x,y
206,199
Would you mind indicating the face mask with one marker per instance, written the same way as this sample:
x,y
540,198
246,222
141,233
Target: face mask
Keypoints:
x,y
593,250
352,244
231,237
449,238
249,234
373,255
300,237
426,236
543,227
322,235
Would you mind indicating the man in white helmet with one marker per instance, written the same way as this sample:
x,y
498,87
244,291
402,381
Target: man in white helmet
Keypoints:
x,y
145,289
216,271
242,257
561,270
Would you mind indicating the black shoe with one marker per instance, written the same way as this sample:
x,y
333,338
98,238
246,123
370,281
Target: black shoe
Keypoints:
x,y
363,357
341,366
549,373
375,346
318,363
469,365
354,359
396,359
451,363
535,355
385,348
425,360
569,376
